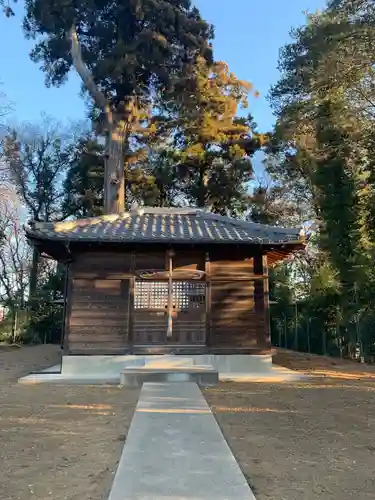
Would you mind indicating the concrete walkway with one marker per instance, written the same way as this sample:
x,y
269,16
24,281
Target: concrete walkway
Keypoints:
x,y
176,451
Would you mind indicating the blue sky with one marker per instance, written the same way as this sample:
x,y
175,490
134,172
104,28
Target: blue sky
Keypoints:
x,y
248,37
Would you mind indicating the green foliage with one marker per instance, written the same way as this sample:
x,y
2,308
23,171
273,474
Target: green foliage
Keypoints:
x,y
13,325
83,185
193,149
272,204
45,324
212,145
158,183
153,181
131,47
323,150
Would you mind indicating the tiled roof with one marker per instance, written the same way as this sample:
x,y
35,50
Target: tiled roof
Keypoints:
x,y
169,225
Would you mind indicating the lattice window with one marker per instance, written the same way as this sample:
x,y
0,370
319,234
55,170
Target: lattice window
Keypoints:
x,y
151,295
188,295
154,295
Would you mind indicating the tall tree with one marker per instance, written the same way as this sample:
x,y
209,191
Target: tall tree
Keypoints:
x,y
37,158
4,174
213,145
323,143
15,257
125,53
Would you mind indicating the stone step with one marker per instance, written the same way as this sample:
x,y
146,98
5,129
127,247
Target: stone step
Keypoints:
x,y
137,376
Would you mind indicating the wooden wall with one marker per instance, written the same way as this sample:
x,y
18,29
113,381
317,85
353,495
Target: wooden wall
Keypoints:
x,y
98,315
101,317
237,312
98,303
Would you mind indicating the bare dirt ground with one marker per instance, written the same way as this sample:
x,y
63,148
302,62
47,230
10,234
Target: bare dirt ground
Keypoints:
x,y
305,440
60,443
323,366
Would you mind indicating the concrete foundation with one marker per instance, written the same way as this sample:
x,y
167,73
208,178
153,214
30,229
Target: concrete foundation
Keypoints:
x,y
113,365
106,369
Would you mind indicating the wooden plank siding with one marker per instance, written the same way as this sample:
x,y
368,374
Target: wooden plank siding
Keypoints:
x,y
237,306
233,318
99,315
102,265
192,261
224,270
150,260
103,316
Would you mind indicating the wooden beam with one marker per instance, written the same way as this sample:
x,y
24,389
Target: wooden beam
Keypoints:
x,y
253,277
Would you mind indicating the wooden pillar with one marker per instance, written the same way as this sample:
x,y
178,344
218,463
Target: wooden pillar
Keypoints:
x,y
208,299
260,294
68,296
65,293
266,294
170,295
131,301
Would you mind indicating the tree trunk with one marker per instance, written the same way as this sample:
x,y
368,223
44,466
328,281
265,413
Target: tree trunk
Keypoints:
x,y
114,178
33,277
324,341
295,327
202,191
114,182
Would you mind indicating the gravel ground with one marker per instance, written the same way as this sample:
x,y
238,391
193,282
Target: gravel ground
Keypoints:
x,y
57,442
305,440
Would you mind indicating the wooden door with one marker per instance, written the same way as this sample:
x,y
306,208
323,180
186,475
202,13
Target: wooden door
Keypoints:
x,y
150,319
189,312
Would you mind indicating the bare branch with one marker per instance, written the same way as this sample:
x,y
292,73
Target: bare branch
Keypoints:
x,y
37,159
15,256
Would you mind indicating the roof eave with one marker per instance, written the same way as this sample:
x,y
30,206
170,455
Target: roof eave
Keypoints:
x,y
88,240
